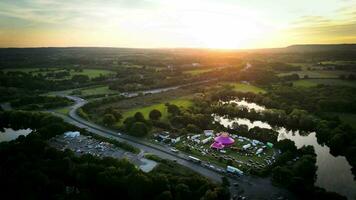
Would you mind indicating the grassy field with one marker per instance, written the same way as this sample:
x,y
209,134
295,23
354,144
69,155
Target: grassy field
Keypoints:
x,y
97,91
182,103
198,71
92,73
317,73
244,87
315,82
63,111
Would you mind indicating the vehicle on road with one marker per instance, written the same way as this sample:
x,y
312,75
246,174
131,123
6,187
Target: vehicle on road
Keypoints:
x,y
174,150
234,170
194,159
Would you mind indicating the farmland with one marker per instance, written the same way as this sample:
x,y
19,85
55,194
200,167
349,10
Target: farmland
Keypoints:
x,y
315,82
182,103
91,73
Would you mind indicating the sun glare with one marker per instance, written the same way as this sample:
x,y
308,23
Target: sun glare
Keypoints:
x,y
216,30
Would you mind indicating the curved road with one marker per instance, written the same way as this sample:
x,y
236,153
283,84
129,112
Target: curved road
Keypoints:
x,y
253,187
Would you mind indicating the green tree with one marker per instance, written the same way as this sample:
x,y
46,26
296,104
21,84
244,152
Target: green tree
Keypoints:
x,y
109,119
139,129
139,117
173,109
155,114
286,145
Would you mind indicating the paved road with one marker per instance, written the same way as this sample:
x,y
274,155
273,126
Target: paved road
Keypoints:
x,y
253,187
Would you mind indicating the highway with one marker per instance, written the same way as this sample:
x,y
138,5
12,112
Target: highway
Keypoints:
x,y
252,187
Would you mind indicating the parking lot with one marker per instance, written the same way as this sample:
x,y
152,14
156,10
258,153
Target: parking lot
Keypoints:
x,y
87,145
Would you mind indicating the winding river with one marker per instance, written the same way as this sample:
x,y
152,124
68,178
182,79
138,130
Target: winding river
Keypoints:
x,y
333,173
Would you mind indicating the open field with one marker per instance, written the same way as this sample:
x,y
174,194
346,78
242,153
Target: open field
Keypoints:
x,y
244,160
63,111
91,73
182,103
99,90
244,87
315,82
198,71
317,73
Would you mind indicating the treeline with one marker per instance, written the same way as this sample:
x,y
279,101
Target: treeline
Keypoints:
x,y
39,102
340,137
26,83
315,99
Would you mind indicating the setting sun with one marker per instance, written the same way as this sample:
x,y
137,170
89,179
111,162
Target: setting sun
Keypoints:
x,y
158,23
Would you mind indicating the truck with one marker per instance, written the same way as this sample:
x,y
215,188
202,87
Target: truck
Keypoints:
x,y
234,170
194,159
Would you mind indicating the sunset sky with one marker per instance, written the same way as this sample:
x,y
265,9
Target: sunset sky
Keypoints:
x,y
176,23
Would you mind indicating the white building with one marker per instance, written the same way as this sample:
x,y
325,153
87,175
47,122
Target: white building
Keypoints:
x,y
208,133
259,151
175,140
246,146
72,134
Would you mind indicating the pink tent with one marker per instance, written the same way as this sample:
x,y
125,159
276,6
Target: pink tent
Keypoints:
x,y
217,145
224,139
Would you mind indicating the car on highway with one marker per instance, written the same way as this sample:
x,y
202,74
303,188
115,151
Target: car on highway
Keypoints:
x,y
174,150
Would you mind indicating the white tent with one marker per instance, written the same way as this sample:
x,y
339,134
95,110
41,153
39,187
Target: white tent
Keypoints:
x,y
72,134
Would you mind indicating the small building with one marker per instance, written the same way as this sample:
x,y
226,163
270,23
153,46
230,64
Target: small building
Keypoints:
x,y
195,138
217,146
72,134
162,137
208,133
174,140
246,146
270,145
259,151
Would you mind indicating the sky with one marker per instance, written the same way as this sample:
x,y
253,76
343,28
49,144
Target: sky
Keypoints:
x,y
232,24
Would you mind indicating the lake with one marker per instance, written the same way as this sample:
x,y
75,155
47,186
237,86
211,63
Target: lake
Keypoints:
x,y
11,134
333,173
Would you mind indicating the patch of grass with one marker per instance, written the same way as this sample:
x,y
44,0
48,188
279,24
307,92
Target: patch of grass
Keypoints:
x,y
198,71
315,82
96,91
64,111
317,73
244,87
182,103
91,73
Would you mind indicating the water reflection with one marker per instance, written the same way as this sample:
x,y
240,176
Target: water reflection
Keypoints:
x,y
11,134
245,104
328,165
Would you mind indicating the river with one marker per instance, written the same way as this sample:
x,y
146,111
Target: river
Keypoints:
x,y
11,134
333,173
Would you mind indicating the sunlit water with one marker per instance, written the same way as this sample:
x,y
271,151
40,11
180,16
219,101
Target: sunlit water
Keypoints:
x,y
333,173
11,134
245,104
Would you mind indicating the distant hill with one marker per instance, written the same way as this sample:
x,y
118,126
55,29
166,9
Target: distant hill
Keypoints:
x,y
321,47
